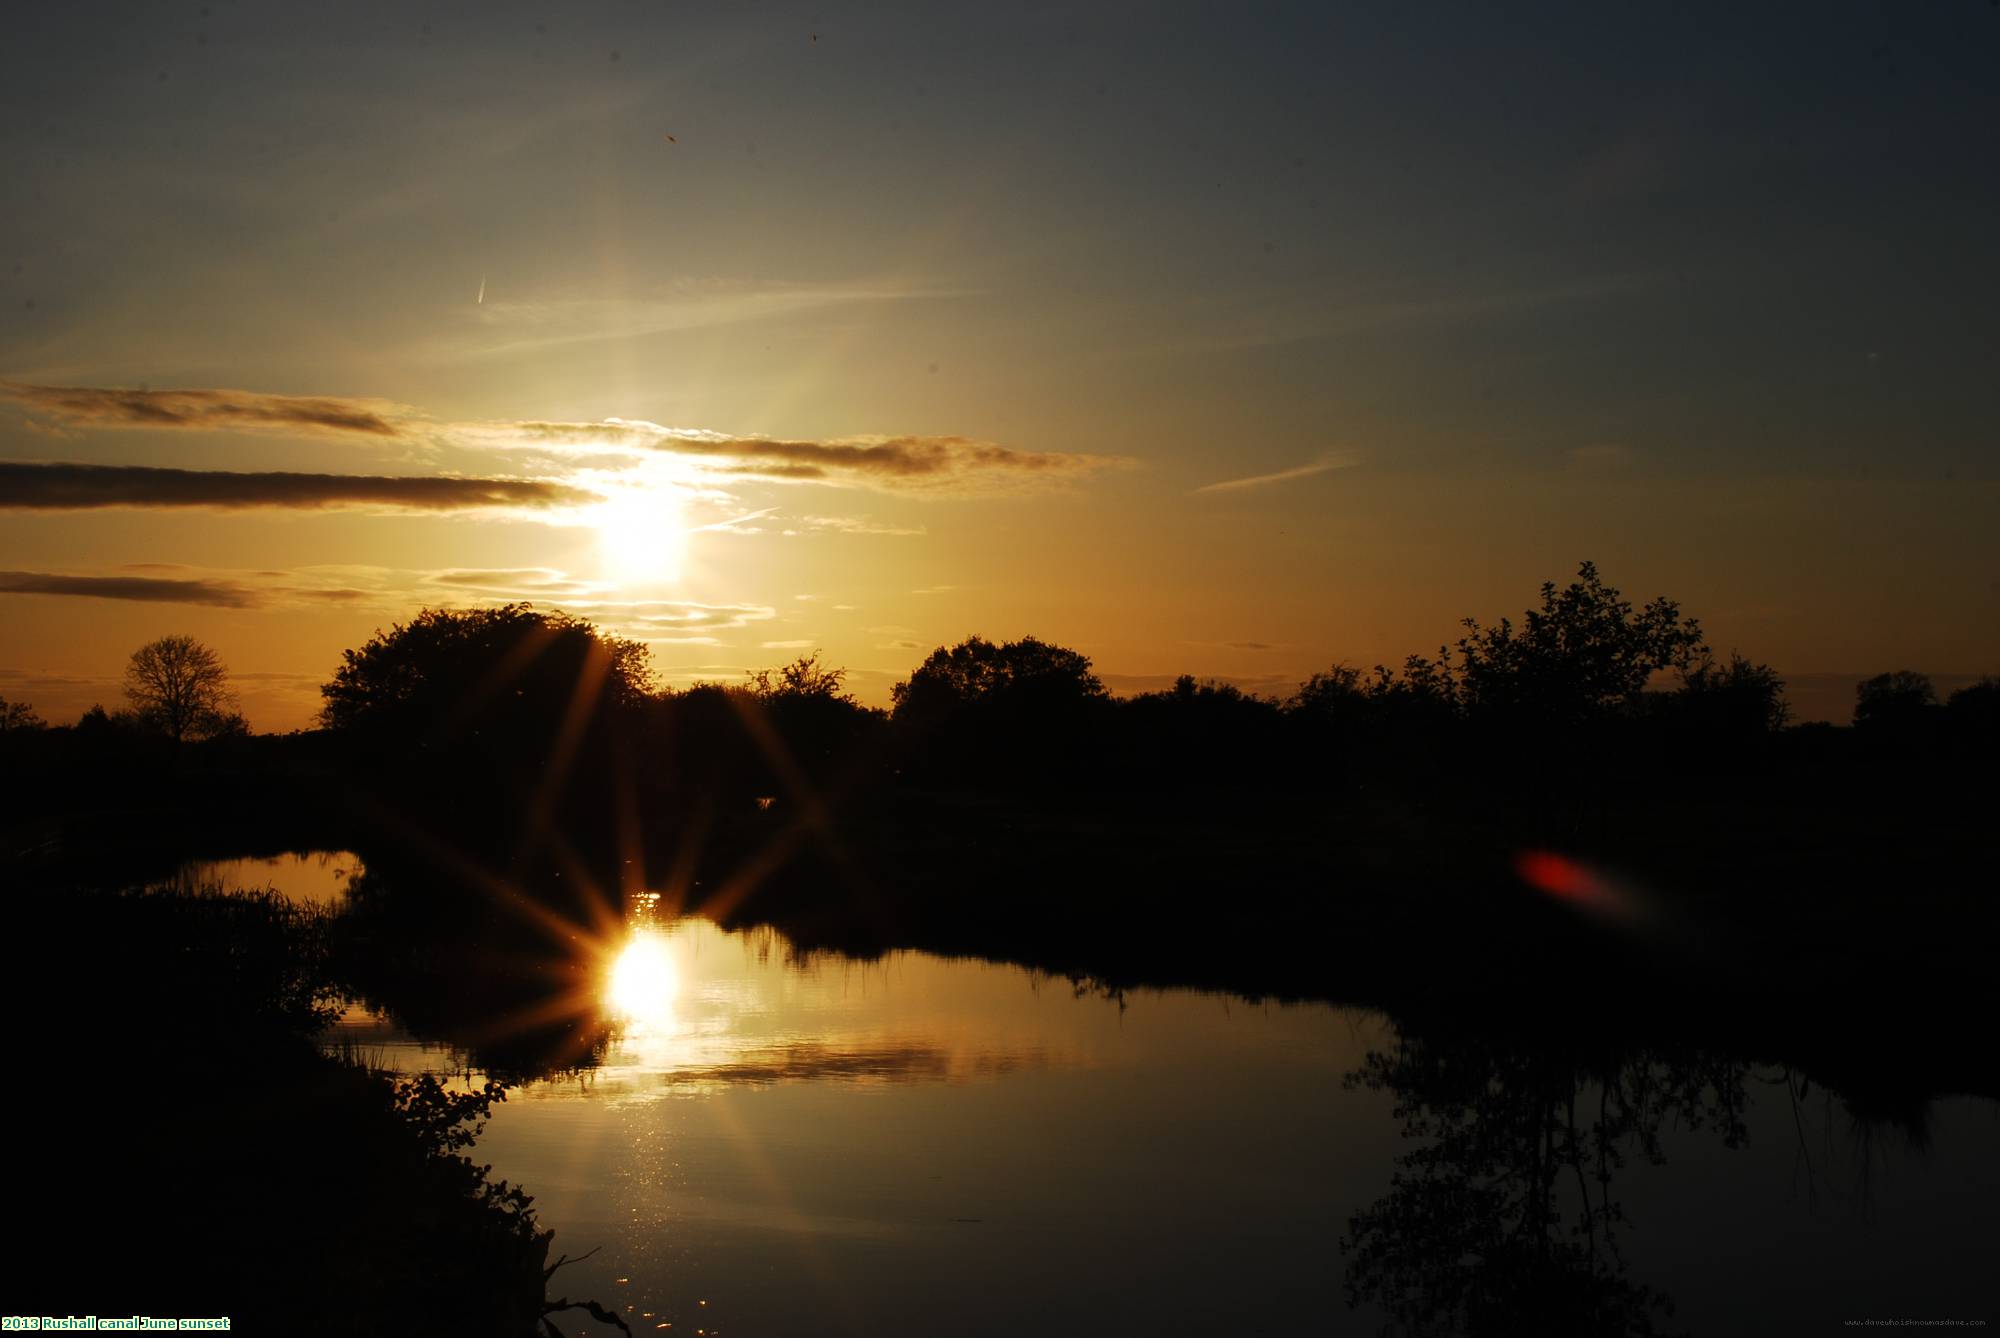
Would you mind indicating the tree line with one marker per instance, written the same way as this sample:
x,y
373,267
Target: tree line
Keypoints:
x,y
520,705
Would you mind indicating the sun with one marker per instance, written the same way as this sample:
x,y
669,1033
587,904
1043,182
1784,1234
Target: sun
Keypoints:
x,y
641,536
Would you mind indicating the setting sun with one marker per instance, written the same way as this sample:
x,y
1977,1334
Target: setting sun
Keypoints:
x,y
641,536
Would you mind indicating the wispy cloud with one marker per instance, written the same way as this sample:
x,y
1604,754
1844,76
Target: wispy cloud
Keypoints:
x,y
229,410
1319,466
511,327
75,487
849,525
665,615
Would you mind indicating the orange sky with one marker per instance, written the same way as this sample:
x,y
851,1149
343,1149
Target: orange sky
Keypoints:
x,y
1215,349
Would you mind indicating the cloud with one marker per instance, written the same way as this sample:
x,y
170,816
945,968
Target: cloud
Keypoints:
x,y
230,410
664,615
145,589
785,645
74,487
540,582
530,326
849,525
1320,466
939,464
909,463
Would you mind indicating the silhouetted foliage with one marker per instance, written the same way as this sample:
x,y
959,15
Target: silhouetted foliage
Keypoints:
x,y
1502,1220
516,707
1974,712
1587,652
1018,712
1737,699
803,677
179,687
307,1195
1018,676
1203,735
1894,700
18,715
510,674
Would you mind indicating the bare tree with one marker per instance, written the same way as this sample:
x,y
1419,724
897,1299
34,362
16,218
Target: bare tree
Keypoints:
x,y
179,686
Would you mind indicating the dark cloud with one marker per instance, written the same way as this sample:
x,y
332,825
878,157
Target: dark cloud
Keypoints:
x,y
909,461
234,410
146,589
936,463
537,581
73,487
941,464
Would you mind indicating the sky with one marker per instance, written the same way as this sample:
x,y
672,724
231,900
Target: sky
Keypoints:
x,y
1227,340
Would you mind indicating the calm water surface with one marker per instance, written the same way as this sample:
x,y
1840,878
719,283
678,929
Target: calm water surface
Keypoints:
x,y
783,1146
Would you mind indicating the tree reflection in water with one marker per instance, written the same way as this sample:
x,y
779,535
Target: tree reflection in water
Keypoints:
x,y
1504,1219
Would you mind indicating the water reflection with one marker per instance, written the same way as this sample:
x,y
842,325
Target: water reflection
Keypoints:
x,y
896,1135
644,978
1504,1218
302,877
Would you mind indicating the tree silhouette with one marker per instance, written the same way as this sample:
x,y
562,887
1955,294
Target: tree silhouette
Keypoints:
x,y
1502,1219
803,677
1892,699
1733,701
1974,712
1024,714
179,687
507,709
480,672
1585,652
18,715
1024,674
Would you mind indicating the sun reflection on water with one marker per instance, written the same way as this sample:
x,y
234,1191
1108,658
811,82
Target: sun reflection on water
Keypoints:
x,y
644,981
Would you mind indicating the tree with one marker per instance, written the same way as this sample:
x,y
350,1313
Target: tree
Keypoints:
x,y
178,686
1027,675
509,676
1975,708
803,677
1587,653
1893,699
1740,699
18,715
1023,715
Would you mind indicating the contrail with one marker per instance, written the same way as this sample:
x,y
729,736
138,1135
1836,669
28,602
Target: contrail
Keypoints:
x,y
481,300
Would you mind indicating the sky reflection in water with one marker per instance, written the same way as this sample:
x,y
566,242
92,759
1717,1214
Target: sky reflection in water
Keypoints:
x,y
777,1145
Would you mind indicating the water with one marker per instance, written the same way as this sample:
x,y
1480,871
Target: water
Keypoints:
x,y
774,1146
307,877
